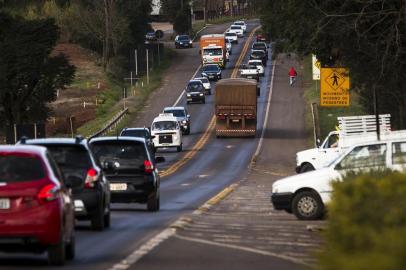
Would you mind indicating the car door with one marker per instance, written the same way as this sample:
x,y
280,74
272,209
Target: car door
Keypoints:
x,y
364,158
398,156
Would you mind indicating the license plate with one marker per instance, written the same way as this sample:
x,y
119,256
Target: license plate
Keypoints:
x,y
118,186
4,203
211,76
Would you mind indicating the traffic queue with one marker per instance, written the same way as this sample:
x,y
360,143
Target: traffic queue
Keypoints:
x,y
48,184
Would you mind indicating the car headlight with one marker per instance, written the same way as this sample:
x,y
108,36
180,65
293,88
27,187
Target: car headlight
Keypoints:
x,y
221,58
190,42
201,94
188,95
219,73
204,74
184,122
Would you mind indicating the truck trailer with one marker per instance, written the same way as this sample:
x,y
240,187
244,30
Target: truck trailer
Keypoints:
x,y
236,108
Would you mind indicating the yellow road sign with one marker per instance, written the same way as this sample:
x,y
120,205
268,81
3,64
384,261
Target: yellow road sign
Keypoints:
x,y
334,87
316,68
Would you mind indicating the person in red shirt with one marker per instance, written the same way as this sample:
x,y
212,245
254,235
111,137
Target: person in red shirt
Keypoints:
x,y
292,76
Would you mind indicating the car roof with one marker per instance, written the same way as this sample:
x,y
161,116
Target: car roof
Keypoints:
x,y
135,128
117,138
231,33
201,78
67,141
208,65
165,118
26,149
195,80
174,108
257,51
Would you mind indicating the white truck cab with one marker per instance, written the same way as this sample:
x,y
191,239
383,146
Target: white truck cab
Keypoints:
x,y
352,130
166,131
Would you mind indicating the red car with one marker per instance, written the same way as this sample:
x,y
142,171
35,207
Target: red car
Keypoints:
x,y
36,207
260,38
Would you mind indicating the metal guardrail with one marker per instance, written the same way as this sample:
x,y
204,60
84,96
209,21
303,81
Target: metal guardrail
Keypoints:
x,y
111,125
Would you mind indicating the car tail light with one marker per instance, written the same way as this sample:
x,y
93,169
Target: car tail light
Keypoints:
x,y
48,193
221,117
149,168
91,178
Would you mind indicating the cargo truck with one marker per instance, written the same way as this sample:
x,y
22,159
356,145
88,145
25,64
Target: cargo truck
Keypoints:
x,y
236,108
213,49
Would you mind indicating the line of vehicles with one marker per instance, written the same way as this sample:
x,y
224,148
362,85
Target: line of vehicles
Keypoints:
x,y
47,184
354,148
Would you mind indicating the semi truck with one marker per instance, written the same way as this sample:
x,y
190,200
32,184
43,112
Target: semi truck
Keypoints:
x,y
213,50
351,130
236,107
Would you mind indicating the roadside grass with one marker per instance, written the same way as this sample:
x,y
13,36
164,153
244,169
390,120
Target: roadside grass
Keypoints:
x,y
136,98
327,115
199,24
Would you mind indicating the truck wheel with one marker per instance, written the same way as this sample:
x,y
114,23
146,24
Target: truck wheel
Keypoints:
x,y
307,205
306,168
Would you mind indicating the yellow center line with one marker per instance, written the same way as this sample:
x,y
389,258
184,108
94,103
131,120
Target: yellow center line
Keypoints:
x,y
205,137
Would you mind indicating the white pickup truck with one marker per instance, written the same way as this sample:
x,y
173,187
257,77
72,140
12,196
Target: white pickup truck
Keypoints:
x,y
352,130
249,71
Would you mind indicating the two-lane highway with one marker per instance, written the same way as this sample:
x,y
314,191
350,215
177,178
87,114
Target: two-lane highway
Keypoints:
x,y
214,165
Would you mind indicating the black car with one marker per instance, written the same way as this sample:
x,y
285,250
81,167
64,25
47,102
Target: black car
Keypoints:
x,y
212,72
195,92
260,55
183,41
259,46
91,190
130,168
141,132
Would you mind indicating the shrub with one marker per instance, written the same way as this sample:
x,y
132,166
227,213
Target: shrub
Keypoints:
x,y
366,228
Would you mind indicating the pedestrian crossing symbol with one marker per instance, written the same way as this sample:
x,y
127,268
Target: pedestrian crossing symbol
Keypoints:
x,y
334,87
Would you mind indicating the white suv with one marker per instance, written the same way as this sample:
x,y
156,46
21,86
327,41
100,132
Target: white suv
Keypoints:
x,y
242,24
236,29
307,194
167,132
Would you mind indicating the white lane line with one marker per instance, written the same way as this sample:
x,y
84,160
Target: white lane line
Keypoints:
x,y
183,92
261,140
144,249
252,250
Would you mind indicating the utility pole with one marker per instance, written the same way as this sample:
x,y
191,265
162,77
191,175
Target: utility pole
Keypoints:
x,y
147,68
136,62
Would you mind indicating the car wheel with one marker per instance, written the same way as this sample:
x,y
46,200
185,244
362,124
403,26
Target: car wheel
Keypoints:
x,y
179,148
70,248
306,168
56,253
307,205
107,218
204,101
153,203
97,220
187,132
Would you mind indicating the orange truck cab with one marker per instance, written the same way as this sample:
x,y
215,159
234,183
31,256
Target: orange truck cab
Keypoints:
x,y
213,49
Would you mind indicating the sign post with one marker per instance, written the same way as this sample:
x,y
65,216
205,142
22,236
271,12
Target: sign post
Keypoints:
x,y
334,87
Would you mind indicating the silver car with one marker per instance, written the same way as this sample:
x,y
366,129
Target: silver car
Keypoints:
x,y
206,84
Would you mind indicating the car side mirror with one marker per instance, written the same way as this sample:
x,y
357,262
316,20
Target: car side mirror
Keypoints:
x,y
152,137
338,166
318,142
73,181
159,159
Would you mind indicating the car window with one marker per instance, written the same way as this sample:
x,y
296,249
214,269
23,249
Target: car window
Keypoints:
x,y
183,37
20,168
259,46
204,80
365,156
236,27
399,153
176,113
135,133
213,52
72,156
164,125
55,168
211,68
230,34
127,153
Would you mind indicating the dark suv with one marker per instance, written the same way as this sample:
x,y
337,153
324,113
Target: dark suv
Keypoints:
x,y
91,190
141,132
130,168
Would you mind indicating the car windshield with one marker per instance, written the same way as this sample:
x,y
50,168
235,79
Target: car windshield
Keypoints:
x,y
135,133
249,67
194,87
164,125
20,168
211,68
176,113
255,62
129,154
259,46
236,27
212,52
231,34
204,80
258,53
183,38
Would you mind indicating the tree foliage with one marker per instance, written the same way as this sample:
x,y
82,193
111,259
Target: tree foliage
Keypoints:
x,y
368,37
29,74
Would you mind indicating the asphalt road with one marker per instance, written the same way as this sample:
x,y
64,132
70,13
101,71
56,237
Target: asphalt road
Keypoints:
x,y
219,163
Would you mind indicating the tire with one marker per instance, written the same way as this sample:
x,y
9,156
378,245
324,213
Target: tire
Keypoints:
x,y
187,132
307,167
107,218
57,252
70,248
179,148
97,221
153,203
307,205
204,101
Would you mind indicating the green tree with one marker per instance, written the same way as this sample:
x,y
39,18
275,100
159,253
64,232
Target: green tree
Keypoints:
x,y
29,74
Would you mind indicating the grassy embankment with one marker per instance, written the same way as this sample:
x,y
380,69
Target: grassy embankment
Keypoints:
x,y
113,102
199,24
328,115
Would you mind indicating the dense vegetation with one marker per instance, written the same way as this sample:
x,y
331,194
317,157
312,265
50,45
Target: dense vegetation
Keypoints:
x,y
366,224
368,37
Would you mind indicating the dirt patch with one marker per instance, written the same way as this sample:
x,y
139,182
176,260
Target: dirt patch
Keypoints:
x,y
78,102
